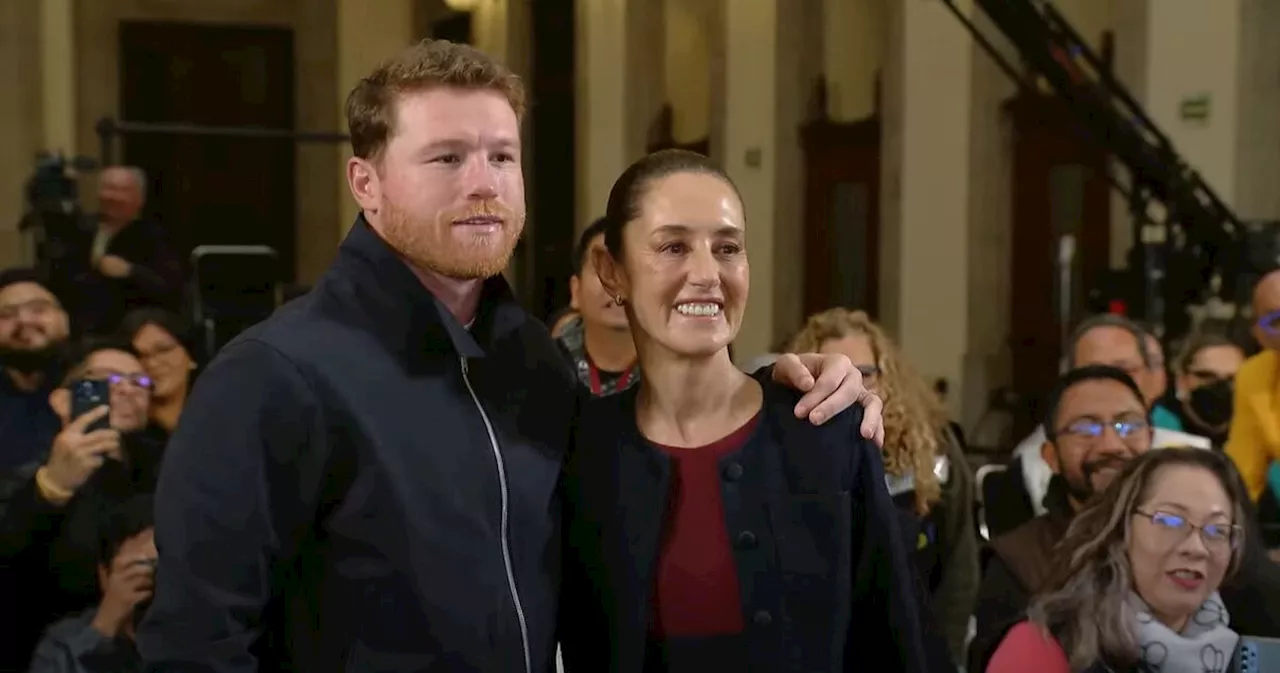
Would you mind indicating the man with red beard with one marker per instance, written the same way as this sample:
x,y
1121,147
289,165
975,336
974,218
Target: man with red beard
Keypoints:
x,y
33,329
368,480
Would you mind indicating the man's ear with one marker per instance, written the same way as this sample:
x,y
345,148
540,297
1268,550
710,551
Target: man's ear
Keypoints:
x,y
60,402
362,178
612,277
575,285
1049,453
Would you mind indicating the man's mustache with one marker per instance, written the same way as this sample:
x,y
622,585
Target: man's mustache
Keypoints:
x,y
490,208
1095,466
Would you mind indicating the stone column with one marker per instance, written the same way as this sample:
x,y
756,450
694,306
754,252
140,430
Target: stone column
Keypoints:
x,y
620,91
924,211
750,151
22,118
368,32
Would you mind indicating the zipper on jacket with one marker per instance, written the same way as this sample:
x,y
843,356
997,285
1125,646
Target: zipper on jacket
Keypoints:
x,y
506,548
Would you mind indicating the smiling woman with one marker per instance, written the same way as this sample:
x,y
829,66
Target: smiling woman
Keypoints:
x,y
703,451
1139,574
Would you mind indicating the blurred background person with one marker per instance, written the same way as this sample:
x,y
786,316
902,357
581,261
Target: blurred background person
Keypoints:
x,y
34,329
1137,577
597,340
1206,384
164,345
123,261
1155,384
928,474
101,638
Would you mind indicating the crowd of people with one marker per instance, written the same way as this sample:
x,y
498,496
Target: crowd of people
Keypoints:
x,y
401,470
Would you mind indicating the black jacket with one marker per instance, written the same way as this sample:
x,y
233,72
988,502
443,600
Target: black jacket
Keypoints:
x,y
826,582
96,302
367,484
50,553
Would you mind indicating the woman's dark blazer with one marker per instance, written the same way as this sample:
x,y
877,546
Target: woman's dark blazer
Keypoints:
x,y
826,581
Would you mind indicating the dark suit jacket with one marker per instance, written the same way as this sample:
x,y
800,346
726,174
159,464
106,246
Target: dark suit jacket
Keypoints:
x,y
826,581
98,302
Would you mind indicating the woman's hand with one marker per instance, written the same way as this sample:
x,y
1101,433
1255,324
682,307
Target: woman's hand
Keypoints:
x,y
830,384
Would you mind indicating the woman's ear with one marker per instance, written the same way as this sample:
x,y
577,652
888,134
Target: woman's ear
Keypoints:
x,y
612,277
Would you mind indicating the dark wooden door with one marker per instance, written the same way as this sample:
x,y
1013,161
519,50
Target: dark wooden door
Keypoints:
x,y
1059,189
213,190
842,215
550,183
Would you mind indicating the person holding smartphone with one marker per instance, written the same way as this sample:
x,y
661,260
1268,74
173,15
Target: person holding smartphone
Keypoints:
x,y
49,527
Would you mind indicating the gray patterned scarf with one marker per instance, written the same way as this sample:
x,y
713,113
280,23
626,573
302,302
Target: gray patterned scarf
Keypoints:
x,y
1205,645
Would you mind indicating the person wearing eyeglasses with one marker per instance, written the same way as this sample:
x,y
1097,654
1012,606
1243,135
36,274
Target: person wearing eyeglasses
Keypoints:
x,y
49,536
1134,585
1253,441
1095,423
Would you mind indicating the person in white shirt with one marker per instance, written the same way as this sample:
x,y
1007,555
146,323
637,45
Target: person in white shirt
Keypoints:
x,y
1111,340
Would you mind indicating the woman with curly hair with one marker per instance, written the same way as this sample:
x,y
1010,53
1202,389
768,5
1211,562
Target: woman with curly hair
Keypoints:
x,y
924,463
1136,587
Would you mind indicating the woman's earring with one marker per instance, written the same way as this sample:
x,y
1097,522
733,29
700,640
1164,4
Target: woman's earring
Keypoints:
x,y
617,299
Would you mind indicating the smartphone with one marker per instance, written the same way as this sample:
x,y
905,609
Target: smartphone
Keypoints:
x,y
87,395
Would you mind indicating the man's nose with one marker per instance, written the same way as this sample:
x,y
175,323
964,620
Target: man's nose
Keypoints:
x,y
481,178
1112,442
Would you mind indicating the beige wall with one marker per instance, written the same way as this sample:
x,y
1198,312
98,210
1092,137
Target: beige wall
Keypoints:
x,y
853,46
688,65
621,88
367,33
751,146
22,123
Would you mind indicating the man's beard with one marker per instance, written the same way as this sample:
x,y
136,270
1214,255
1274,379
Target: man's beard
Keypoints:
x,y
1082,489
430,245
30,360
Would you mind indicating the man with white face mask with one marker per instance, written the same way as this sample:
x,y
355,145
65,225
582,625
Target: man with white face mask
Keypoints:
x,y
368,480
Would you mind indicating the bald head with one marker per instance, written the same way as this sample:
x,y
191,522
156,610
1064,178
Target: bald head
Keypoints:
x,y
1266,311
122,190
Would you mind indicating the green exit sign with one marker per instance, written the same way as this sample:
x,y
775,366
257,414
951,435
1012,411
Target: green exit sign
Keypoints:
x,y
1195,109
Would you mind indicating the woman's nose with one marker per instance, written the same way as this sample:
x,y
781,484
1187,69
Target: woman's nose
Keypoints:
x,y
703,269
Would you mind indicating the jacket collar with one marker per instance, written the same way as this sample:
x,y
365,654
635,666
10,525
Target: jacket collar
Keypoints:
x,y
407,314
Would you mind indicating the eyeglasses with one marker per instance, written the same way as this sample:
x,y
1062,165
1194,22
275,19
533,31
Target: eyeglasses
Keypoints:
x,y
1269,323
1090,429
114,379
1174,529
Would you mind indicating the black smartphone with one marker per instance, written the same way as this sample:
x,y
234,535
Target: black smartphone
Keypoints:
x,y
87,395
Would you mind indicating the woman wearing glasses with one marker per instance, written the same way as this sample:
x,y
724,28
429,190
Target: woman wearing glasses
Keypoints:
x,y
928,475
1136,585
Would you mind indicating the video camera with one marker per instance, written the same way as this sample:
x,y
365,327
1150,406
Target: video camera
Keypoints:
x,y
52,186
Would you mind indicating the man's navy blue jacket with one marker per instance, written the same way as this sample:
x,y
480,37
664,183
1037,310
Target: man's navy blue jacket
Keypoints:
x,y
362,484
